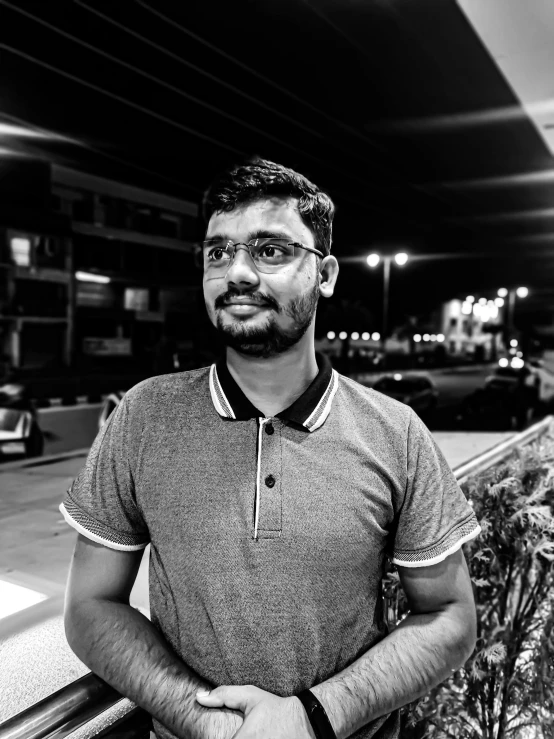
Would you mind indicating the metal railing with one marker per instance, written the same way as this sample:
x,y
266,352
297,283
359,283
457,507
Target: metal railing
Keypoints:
x,y
60,714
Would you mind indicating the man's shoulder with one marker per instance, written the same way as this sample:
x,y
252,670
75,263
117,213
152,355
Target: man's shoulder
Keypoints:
x,y
176,387
361,400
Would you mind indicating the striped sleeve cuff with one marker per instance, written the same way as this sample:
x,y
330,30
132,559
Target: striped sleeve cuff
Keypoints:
x,y
98,532
450,542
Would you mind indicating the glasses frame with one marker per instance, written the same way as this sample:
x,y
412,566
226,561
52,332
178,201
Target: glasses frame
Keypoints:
x,y
247,245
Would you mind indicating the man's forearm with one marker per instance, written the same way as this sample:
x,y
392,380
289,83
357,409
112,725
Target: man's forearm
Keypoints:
x,y
121,646
418,655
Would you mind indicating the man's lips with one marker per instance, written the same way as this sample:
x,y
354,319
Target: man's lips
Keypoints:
x,y
237,301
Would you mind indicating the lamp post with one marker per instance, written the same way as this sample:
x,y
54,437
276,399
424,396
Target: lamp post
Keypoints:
x,y
373,260
511,294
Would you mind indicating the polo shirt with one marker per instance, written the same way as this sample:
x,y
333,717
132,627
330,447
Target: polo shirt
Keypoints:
x,y
269,535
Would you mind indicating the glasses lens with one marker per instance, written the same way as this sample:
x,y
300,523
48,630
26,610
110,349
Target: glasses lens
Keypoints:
x,y
270,255
216,255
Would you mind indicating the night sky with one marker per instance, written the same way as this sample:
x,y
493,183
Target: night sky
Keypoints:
x,y
363,98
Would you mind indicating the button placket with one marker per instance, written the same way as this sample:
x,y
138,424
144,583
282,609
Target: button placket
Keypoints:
x,y
269,494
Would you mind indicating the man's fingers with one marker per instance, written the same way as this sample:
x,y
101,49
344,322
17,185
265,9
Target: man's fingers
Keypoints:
x,y
239,697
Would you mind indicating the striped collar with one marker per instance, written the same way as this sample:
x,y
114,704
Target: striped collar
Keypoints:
x,y
309,410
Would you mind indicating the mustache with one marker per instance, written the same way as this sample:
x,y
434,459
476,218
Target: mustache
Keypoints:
x,y
258,297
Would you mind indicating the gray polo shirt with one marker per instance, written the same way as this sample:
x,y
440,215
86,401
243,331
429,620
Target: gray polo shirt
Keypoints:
x,y
269,535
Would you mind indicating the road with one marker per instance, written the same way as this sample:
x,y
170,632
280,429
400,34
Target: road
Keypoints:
x,y
74,427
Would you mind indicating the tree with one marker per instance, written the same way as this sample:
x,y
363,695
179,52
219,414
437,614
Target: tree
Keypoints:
x,y
506,689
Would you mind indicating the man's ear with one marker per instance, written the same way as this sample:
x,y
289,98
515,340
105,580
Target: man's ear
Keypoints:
x,y
328,274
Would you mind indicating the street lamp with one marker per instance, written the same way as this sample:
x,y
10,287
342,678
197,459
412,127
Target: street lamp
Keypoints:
x,y
373,260
520,292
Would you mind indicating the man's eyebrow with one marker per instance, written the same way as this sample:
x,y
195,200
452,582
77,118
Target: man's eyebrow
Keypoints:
x,y
261,233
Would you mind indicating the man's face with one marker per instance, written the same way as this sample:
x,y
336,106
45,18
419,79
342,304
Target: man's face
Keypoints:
x,y
285,301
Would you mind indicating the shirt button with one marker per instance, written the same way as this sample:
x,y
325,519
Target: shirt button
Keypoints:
x,y
270,481
269,429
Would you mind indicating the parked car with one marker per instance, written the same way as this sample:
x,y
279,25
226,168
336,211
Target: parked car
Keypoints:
x,y
417,391
510,396
20,433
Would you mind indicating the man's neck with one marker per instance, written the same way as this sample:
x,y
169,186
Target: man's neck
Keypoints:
x,y
273,384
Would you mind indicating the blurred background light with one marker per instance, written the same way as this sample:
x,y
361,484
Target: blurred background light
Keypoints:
x,y
90,277
401,258
502,292
373,260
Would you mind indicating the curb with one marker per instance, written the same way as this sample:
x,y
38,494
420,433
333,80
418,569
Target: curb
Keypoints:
x,y
19,464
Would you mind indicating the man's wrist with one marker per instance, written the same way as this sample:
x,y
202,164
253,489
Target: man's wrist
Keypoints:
x,y
316,715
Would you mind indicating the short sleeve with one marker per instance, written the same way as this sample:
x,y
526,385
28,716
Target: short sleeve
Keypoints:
x,y
101,502
435,518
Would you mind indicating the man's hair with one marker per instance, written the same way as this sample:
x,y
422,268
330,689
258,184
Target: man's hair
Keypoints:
x,y
259,178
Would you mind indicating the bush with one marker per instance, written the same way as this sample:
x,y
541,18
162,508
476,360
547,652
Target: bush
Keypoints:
x,y
506,689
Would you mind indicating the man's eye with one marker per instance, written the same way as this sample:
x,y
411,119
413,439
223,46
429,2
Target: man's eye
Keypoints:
x,y
271,251
216,254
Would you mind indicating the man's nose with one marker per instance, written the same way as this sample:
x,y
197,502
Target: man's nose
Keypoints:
x,y
242,269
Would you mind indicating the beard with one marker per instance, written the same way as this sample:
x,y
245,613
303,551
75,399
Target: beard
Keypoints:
x,y
270,339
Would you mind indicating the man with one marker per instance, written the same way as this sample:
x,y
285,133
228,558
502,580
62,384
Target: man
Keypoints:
x,y
271,490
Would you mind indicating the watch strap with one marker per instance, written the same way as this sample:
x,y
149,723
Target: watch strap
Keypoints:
x,y
316,715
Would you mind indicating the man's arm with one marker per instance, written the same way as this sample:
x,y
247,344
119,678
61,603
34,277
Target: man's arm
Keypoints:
x,y
435,639
122,647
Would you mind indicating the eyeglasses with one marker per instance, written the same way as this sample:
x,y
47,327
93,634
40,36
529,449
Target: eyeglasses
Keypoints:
x,y
269,255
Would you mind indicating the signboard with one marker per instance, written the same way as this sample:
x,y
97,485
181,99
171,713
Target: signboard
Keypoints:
x,y
112,347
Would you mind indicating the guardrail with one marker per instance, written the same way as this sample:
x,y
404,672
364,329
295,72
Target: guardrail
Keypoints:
x,y
73,706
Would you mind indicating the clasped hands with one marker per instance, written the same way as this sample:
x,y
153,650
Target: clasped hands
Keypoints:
x,y
266,716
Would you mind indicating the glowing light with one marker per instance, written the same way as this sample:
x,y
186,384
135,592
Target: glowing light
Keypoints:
x,y
426,337
355,336
477,307
482,301
90,277
522,292
466,308
397,376
417,337
499,302
21,251
503,362
343,335
433,337
401,258
517,363
440,337
365,336
493,310
8,129
513,342
375,336
502,292
330,335
470,299
373,260
485,314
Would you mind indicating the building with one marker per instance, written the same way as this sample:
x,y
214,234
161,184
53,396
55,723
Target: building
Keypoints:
x,y
95,275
